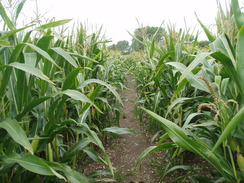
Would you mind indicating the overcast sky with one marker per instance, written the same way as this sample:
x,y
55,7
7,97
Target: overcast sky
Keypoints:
x,y
119,16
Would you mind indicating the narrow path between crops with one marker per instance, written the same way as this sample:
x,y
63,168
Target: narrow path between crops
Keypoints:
x,y
129,146
124,151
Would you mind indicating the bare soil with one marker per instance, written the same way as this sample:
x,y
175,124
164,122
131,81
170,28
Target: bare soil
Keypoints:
x,y
124,151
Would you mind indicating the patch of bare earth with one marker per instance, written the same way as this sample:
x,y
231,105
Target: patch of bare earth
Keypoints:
x,y
124,151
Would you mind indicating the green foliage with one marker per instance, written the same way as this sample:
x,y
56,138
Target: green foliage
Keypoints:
x,y
58,97
122,46
201,97
145,33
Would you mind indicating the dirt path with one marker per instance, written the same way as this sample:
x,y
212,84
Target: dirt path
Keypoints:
x,y
128,149
125,150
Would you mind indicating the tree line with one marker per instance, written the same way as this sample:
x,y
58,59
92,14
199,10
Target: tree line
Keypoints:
x,y
146,33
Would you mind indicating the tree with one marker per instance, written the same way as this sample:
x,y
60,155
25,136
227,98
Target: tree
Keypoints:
x,y
122,46
145,33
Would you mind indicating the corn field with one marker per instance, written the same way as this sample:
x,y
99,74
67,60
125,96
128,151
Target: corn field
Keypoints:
x,y
59,98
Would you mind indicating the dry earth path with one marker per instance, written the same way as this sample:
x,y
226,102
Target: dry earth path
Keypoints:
x,y
131,146
124,151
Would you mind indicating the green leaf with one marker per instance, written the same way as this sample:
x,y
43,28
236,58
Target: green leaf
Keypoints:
x,y
235,121
210,36
16,132
86,82
72,175
240,59
199,59
75,149
76,95
5,17
13,32
6,75
34,164
229,68
237,13
19,8
196,146
31,70
153,149
184,167
54,24
191,78
69,81
94,155
31,105
44,54
83,57
65,55
119,131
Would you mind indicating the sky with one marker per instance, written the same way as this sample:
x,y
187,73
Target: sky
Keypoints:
x,y
119,16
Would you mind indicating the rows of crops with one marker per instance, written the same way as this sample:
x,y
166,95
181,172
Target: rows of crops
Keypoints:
x,y
196,94
59,98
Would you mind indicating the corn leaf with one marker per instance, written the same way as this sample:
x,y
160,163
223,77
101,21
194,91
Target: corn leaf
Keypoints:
x,y
119,131
16,132
237,13
43,53
19,9
94,155
13,32
72,175
76,95
191,78
240,59
6,75
33,164
199,59
5,17
229,68
86,82
196,146
69,81
208,33
31,105
153,149
235,121
65,55
54,24
75,149
83,57
31,70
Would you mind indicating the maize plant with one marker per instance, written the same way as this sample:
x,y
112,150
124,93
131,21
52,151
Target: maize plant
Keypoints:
x,y
56,98
213,128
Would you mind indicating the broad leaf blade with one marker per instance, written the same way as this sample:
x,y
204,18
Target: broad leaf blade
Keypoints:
x,y
240,59
86,82
54,24
119,131
44,54
5,17
235,121
76,95
181,139
75,149
34,164
31,70
199,59
237,13
65,55
16,132
31,105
